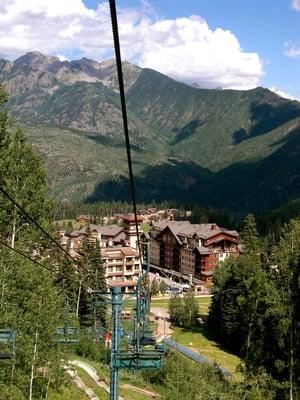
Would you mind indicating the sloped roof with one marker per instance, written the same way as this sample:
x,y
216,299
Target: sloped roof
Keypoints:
x,y
131,217
203,250
185,228
222,230
74,234
107,230
176,225
120,236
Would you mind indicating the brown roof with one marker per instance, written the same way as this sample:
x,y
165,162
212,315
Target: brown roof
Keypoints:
x,y
203,250
207,273
131,218
74,234
128,251
216,232
106,230
185,228
112,252
176,225
83,216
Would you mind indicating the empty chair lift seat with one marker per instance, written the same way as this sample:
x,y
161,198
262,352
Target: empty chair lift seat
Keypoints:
x,y
7,344
67,335
145,360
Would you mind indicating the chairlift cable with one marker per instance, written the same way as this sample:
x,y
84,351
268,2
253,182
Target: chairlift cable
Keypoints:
x,y
115,30
27,257
24,212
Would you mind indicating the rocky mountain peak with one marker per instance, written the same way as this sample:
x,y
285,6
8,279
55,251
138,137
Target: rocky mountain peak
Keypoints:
x,y
37,60
82,70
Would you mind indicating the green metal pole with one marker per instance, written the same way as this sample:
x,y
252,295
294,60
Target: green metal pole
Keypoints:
x,y
116,302
139,285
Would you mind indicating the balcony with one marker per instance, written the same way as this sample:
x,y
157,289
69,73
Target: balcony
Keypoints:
x,y
129,272
118,273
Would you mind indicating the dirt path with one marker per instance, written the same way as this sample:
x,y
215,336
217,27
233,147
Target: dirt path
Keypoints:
x,y
81,385
145,392
163,324
93,374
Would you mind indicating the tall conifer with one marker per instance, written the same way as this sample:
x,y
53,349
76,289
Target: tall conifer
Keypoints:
x,y
94,279
250,235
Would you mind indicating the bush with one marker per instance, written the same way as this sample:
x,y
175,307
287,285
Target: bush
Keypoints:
x,y
89,348
163,287
184,311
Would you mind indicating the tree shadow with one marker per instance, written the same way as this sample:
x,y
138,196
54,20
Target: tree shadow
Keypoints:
x,y
210,335
112,141
240,188
267,117
187,131
173,180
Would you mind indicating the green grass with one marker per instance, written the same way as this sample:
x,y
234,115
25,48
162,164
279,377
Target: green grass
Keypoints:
x,y
99,391
203,302
129,394
200,339
68,393
126,377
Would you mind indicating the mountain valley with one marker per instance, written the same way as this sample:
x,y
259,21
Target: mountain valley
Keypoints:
x,y
224,148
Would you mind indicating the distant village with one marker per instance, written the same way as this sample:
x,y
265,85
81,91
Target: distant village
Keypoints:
x,y
180,251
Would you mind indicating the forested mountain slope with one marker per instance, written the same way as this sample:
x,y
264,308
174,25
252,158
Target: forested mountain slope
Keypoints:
x,y
225,148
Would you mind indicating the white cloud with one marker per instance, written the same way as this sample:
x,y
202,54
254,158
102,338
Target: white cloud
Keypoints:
x,y
61,57
292,50
188,48
184,48
296,5
284,94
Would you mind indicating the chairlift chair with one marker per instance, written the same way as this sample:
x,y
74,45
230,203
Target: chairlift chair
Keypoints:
x,y
67,335
7,338
143,360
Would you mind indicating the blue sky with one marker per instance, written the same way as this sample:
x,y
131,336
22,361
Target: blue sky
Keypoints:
x,y
216,43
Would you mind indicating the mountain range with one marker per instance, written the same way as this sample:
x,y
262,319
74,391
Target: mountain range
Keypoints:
x,y
231,149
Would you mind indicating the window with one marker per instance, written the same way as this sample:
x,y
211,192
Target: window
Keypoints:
x,y
119,268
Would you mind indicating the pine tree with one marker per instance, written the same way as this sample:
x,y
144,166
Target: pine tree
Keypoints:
x,y
94,278
97,281
68,279
24,178
250,235
176,309
163,287
190,310
154,288
286,275
230,294
4,121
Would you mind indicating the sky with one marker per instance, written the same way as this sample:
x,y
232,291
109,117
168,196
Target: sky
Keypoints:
x,y
235,44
